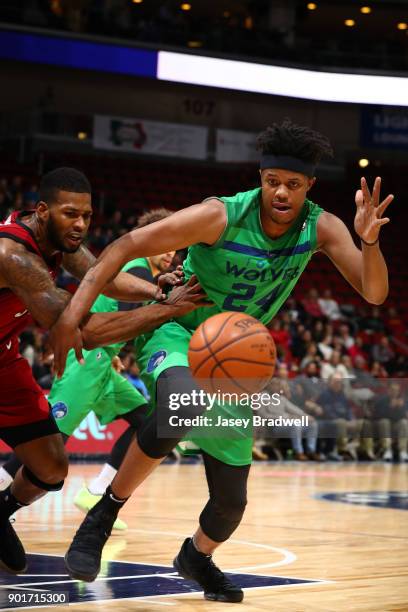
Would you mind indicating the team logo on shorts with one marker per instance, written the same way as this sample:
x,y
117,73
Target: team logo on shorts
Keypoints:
x,y
59,410
155,360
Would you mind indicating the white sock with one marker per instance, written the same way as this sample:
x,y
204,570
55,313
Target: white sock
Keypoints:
x,y
98,485
5,479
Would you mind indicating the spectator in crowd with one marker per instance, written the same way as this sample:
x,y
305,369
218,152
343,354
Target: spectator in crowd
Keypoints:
x,y
32,344
384,354
390,415
301,341
312,354
319,330
333,366
338,345
378,370
357,350
348,365
27,349
309,381
338,424
329,306
294,309
346,338
348,379
325,347
373,321
281,336
306,388
311,304
362,378
295,433
363,385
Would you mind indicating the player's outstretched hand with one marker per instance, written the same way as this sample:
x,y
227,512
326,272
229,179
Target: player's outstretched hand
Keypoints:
x,y
62,338
369,215
171,278
188,297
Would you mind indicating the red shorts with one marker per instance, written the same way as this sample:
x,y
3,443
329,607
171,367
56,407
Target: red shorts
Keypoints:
x,y
24,410
22,401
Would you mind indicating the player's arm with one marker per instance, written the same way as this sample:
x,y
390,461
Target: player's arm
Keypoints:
x,y
104,328
124,287
199,223
365,270
28,277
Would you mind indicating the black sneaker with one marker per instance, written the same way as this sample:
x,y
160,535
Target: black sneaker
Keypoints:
x,y
216,586
83,558
12,554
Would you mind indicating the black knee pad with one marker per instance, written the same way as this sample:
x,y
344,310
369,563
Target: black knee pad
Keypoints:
x,y
156,438
151,445
221,517
46,486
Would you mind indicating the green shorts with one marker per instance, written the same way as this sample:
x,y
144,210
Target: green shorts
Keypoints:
x,y
96,386
167,347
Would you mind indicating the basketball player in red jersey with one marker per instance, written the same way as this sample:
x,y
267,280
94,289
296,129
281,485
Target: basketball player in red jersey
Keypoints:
x,y
32,247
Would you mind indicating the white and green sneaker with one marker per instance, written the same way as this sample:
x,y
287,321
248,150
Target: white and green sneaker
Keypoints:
x,y
84,500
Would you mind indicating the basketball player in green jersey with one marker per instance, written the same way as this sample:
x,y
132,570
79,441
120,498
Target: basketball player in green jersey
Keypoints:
x,y
96,385
248,252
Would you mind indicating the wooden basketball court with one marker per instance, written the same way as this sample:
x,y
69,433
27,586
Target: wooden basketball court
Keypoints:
x,y
357,553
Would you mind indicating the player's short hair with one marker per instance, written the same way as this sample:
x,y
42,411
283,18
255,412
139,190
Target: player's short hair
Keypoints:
x,y
62,179
294,140
151,216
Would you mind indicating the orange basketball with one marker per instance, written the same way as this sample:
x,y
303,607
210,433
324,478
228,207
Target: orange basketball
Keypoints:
x,y
232,352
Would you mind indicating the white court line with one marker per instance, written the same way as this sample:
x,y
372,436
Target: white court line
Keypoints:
x,y
288,556
23,588
106,578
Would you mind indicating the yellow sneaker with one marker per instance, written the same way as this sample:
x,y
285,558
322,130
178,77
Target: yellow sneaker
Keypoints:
x,y
84,500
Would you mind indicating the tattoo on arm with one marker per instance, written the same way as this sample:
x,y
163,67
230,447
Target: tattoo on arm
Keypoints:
x,y
28,277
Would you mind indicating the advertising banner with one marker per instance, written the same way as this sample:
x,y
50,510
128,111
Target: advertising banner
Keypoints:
x,y
149,137
236,146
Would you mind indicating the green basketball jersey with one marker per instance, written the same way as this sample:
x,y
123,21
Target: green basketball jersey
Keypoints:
x,y
246,270
107,304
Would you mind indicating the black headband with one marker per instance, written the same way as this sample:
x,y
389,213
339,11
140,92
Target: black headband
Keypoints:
x,y
286,162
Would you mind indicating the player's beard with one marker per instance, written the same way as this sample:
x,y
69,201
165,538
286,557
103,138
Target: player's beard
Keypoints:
x,y
54,238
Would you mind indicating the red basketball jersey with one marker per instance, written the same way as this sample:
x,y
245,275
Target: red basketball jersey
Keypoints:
x,y
14,316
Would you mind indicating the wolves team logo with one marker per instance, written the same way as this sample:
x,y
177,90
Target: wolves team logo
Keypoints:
x,y
155,360
59,410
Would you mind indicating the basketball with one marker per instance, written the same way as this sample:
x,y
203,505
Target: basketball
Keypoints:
x,y
232,352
